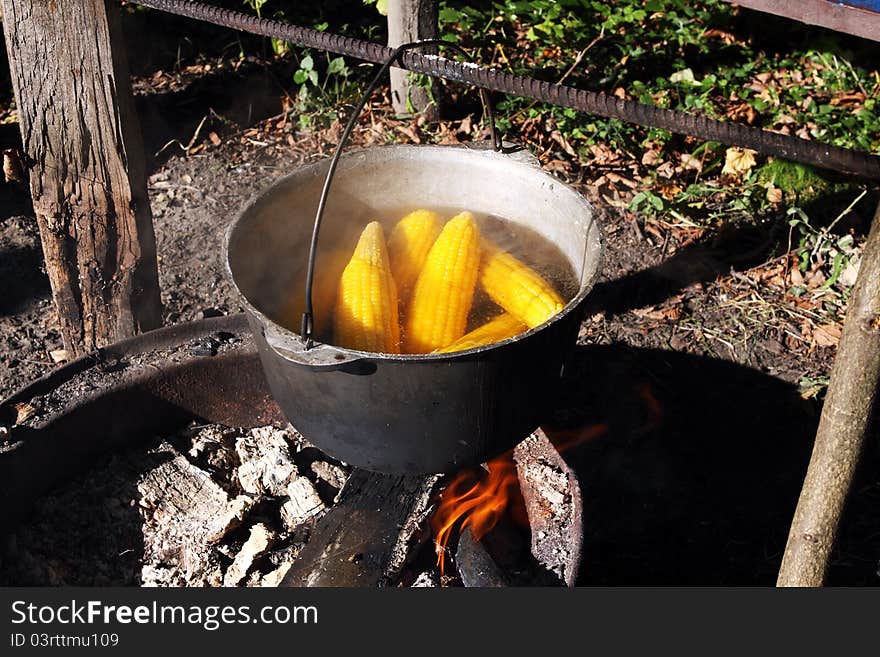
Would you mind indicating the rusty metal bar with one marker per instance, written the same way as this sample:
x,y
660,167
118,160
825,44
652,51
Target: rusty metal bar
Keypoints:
x,y
591,102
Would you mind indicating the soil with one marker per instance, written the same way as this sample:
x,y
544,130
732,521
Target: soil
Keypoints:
x,y
701,369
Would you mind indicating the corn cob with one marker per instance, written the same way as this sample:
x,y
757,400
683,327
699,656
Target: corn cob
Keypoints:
x,y
408,247
517,288
444,291
328,268
366,315
500,328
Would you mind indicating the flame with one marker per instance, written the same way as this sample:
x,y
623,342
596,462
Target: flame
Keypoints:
x,y
652,405
564,439
477,498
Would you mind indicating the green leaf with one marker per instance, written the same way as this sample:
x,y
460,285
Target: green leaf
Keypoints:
x,y
300,76
382,7
336,65
449,15
307,63
313,77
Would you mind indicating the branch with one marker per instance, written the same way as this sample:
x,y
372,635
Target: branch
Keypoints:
x,y
842,428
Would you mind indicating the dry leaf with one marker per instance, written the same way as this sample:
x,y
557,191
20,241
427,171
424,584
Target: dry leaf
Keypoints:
x,y
849,274
673,314
215,139
23,411
726,37
738,161
688,161
669,191
650,158
827,335
774,195
58,355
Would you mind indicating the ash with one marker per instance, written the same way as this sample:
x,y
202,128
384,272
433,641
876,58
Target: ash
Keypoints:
x,y
209,506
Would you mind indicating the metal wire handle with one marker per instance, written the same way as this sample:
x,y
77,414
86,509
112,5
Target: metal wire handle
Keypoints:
x,y
308,316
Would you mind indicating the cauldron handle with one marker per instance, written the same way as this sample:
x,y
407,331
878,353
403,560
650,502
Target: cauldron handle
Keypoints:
x,y
307,326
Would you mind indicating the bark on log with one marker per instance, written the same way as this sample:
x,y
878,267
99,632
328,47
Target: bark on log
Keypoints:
x,y
842,428
84,153
411,20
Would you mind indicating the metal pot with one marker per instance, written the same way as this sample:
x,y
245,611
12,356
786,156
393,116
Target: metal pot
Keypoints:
x,y
409,413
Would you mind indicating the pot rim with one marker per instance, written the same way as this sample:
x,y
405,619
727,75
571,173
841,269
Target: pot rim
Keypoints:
x,y
573,305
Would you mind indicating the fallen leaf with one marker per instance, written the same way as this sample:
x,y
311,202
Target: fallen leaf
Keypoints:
x,y
815,279
58,355
849,274
738,161
215,139
669,191
23,411
685,75
688,161
774,195
563,142
650,158
673,314
827,335
726,37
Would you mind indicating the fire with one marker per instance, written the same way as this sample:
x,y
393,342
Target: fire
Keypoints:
x,y
478,499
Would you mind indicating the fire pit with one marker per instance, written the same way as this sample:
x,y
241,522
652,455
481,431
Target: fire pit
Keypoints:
x,y
209,479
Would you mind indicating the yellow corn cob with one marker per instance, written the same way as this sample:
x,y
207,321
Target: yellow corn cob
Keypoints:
x,y
328,268
408,247
502,327
517,288
366,303
444,291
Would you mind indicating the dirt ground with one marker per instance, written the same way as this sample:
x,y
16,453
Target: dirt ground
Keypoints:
x,y
733,364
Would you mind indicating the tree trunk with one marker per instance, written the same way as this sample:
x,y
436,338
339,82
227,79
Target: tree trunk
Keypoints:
x,y
84,153
411,20
842,428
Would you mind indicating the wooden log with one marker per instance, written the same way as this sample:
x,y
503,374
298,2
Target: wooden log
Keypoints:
x,y
843,427
411,20
84,154
359,541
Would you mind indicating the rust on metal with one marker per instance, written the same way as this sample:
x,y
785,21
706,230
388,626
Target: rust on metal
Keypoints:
x,y
785,146
123,395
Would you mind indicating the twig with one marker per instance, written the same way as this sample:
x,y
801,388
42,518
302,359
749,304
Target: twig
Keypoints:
x,y
842,428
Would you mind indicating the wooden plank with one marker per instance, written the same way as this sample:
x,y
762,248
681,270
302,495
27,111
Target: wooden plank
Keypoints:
x,y
84,154
857,17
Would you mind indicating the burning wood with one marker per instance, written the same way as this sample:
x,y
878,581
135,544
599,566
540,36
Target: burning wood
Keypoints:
x,y
550,505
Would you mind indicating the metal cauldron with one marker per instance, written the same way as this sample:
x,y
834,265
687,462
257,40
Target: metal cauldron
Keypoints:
x,y
409,413
422,413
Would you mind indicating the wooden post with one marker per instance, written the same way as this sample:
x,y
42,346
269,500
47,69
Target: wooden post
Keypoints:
x,y
844,424
411,20
84,153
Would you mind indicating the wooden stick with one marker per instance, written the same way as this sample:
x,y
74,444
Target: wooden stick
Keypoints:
x,y
83,149
842,428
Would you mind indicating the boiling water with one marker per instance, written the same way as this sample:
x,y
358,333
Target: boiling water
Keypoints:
x,y
527,245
